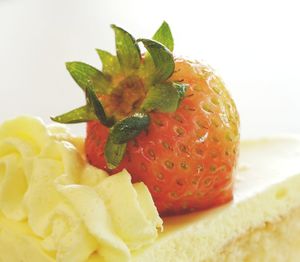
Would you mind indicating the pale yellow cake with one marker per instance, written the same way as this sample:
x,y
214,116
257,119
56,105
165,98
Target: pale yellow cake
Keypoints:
x,y
261,224
55,207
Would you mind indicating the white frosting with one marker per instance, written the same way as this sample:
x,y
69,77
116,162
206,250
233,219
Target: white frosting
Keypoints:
x,y
69,210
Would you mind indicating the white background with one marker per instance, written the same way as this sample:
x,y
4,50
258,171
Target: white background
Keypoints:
x,y
254,45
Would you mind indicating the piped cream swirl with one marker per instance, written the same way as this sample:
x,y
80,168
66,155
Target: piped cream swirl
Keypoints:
x,y
50,198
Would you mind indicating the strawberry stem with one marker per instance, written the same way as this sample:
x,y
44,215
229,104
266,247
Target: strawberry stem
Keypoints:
x,y
93,100
114,153
130,86
164,97
129,128
110,63
86,75
78,115
162,59
128,51
164,36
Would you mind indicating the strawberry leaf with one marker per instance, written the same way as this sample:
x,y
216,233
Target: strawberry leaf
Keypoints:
x,y
86,75
164,36
93,102
164,97
128,51
113,153
162,58
129,127
110,63
78,115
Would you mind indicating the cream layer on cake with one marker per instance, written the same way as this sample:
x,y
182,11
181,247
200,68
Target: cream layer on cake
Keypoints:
x,y
54,207
261,224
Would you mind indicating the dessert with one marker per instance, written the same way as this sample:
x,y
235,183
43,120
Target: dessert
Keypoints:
x,y
40,213
162,139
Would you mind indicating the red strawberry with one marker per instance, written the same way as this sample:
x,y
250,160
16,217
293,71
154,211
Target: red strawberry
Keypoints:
x,y
170,122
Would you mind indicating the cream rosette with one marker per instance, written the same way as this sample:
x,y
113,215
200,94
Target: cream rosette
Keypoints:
x,y
56,207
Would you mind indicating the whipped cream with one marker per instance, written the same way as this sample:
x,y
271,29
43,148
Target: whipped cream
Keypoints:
x,y
52,201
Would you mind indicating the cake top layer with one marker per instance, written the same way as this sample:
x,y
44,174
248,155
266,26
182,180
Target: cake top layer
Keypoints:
x,y
267,186
266,162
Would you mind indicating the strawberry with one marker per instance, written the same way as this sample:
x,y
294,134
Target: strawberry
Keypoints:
x,y
169,121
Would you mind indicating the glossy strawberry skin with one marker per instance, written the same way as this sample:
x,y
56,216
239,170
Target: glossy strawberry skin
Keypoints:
x,y
186,158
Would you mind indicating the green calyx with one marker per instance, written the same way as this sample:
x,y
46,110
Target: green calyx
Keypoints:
x,y
129,87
